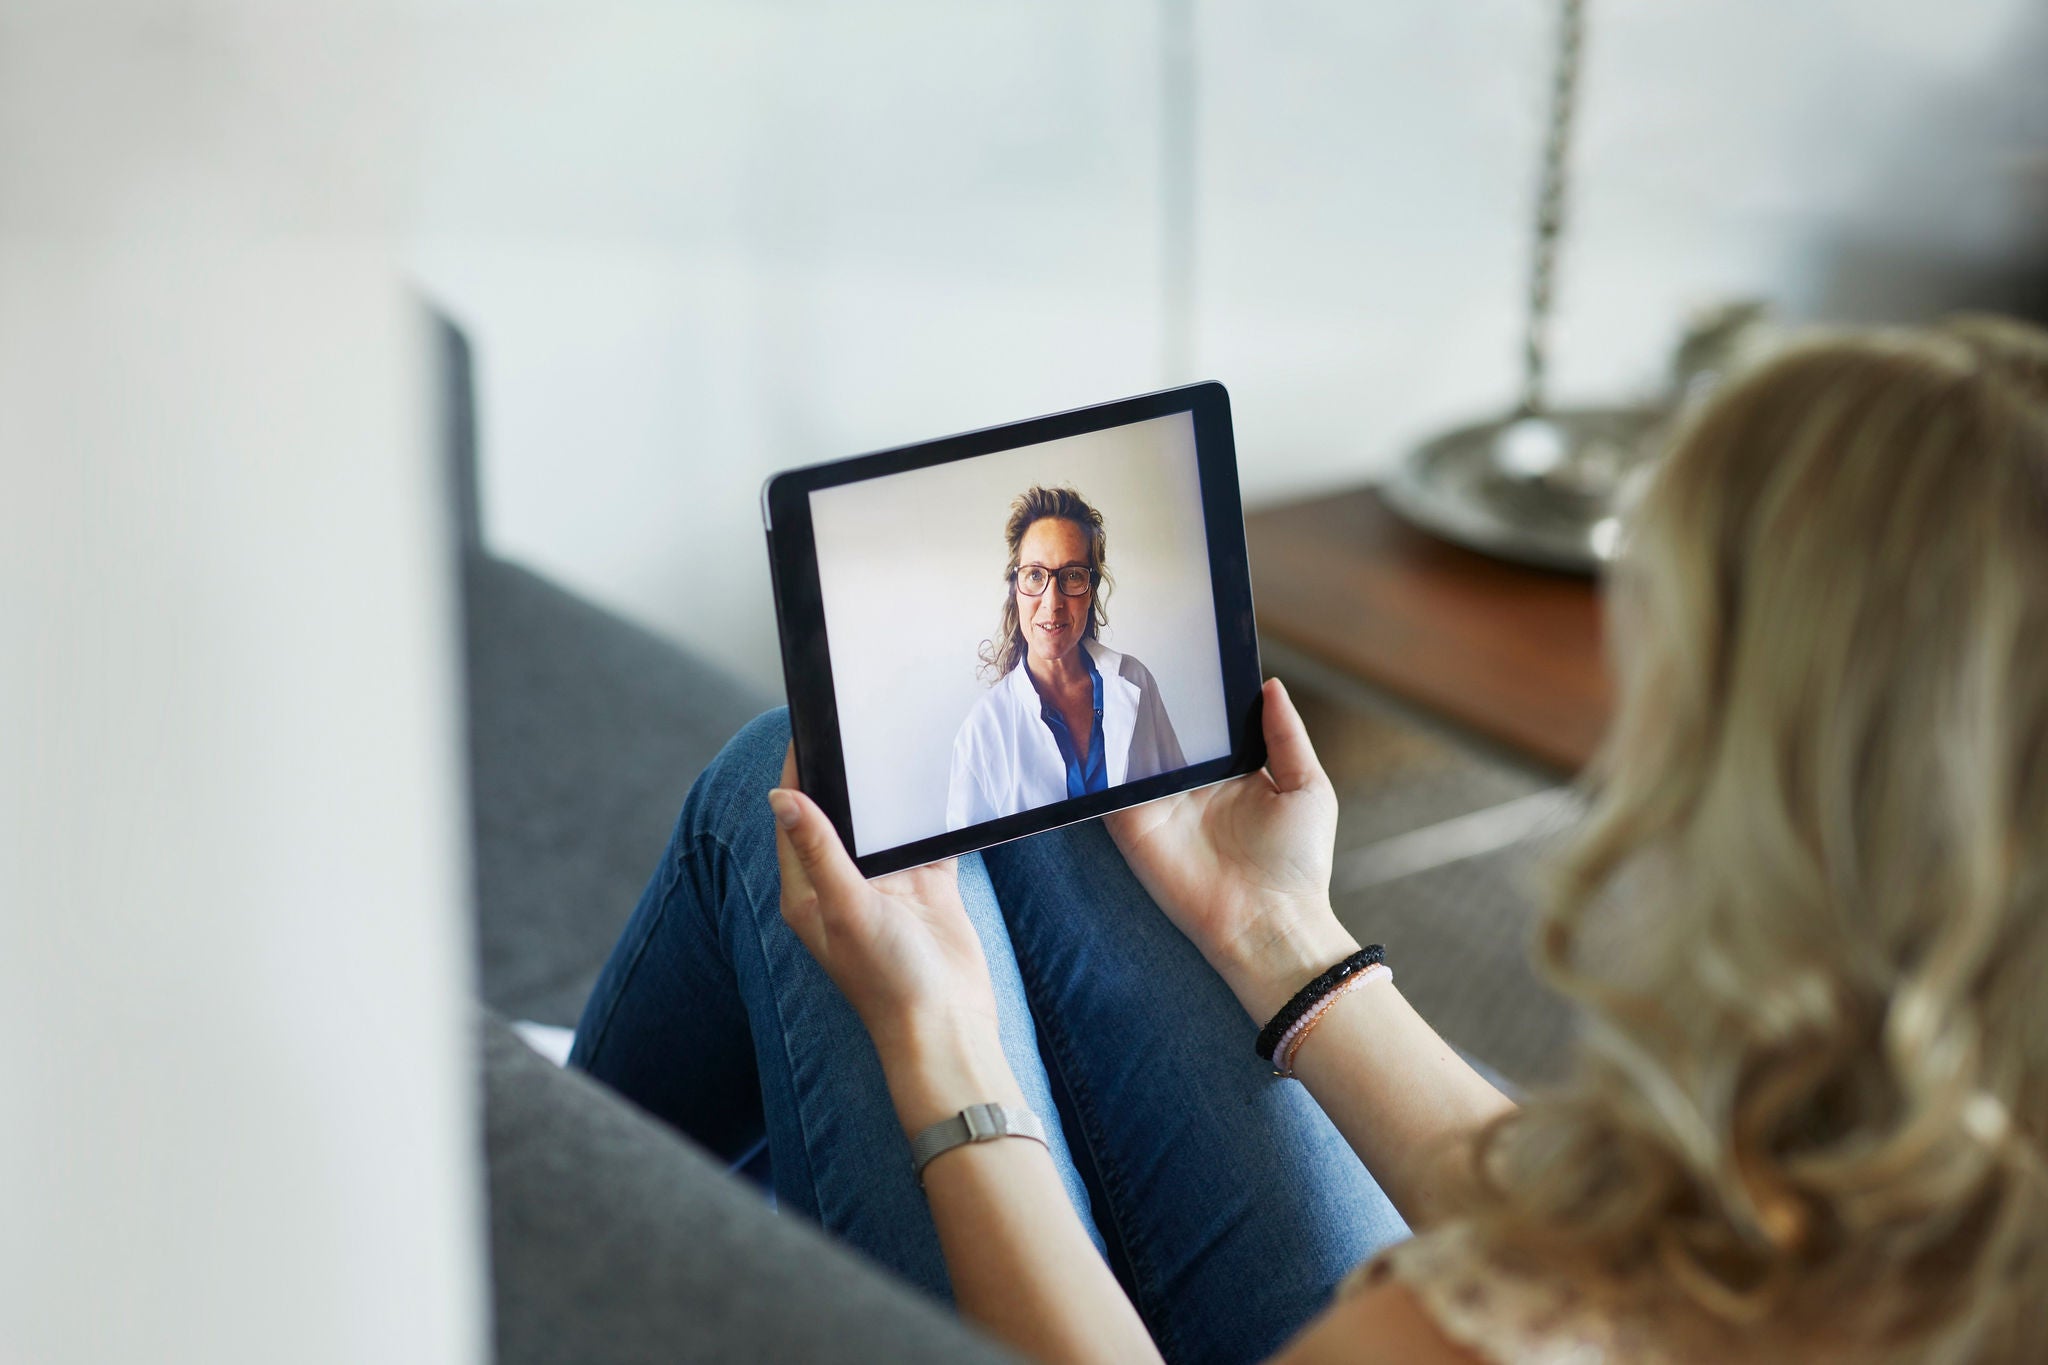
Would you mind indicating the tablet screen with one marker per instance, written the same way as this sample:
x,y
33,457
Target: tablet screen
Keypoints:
x,y
988,635
1021,628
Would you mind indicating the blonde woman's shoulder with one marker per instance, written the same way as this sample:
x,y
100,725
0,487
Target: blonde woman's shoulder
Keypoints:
x,y
1381,1324
1439,1299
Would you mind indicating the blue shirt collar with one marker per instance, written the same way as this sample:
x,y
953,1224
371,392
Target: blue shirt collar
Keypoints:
x,y
1085,772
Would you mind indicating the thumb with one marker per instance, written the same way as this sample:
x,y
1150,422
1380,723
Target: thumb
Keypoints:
x,y
1290,758
809,851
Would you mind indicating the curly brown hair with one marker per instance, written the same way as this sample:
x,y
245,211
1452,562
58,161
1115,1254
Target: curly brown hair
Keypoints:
x,y
1002,653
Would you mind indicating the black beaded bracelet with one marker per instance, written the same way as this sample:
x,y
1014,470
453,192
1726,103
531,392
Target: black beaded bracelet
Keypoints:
x,y
1304,999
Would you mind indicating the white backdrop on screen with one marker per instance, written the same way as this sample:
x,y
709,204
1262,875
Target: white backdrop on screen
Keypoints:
x,y
911,568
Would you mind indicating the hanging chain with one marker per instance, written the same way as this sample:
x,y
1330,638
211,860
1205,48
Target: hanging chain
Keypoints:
x,y
1550,202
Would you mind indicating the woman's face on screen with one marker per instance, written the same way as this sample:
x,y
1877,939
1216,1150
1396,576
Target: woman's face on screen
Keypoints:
x,y
1052,622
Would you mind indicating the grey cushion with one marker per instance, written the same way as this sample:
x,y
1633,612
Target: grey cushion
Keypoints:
x,y
457,398
585,733
615,1242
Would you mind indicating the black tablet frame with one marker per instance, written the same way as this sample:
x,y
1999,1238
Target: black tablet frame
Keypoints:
x,y
806,650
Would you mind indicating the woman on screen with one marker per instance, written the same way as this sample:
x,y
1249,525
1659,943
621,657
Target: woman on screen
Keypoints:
x,y
1066,714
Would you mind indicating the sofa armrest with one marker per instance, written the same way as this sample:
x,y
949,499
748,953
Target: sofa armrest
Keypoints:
x,y
615,1242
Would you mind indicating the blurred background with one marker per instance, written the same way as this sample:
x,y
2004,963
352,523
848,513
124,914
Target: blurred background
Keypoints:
x,y
694,244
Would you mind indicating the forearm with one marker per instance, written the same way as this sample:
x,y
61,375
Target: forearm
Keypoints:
x,y
1022,1266
1403,1098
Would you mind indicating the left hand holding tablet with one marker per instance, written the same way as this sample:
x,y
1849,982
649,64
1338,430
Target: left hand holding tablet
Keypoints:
x,y
905,955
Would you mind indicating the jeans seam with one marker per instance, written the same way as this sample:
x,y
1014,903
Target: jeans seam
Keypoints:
x,y
1143,1271
632,967
796,1091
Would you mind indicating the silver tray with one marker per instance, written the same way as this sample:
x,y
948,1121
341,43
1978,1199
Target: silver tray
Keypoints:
x,y
1538,490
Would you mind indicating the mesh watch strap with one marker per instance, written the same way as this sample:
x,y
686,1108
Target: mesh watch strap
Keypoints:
x,y
975,1123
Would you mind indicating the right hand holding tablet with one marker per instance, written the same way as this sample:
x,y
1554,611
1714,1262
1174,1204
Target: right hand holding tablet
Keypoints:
x,y
1243,867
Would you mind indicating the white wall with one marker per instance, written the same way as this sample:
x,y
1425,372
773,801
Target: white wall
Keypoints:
x,y
700,244
239,1120
911,570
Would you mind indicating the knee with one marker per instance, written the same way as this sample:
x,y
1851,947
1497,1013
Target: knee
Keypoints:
x,y
732,791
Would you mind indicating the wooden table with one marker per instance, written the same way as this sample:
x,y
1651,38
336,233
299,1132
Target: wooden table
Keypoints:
x,y
1511,653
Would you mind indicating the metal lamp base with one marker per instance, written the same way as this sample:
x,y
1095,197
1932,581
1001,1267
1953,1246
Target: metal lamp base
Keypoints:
x,y
1536,489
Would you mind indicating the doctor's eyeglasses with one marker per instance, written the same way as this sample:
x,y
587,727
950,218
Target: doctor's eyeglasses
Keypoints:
x,y
1075,580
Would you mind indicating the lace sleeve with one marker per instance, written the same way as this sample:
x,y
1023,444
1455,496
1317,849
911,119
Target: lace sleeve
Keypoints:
x,y
1508,1317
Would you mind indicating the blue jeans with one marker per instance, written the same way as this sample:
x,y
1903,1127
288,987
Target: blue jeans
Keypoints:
x,y
1223,1198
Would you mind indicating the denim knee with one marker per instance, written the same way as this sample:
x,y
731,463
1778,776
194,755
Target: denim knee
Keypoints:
x,y
731,794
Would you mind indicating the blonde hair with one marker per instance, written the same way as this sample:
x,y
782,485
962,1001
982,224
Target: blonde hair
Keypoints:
x,y
1807,915
1002,652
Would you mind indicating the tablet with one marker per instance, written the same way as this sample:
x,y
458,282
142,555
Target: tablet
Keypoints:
x,y
993,634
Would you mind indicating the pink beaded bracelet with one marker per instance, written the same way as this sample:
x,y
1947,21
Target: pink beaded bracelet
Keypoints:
x,y
1290,1041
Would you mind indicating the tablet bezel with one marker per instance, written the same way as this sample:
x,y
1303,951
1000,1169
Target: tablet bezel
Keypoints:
x,y
806,648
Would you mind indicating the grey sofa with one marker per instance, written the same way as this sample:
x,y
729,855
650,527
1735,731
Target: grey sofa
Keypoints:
x,y
613,1240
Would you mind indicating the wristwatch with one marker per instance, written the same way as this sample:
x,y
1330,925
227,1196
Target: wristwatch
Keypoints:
x,y
975,1123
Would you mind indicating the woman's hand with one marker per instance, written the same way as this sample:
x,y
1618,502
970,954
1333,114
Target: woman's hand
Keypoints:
x,y
905,955
1243,868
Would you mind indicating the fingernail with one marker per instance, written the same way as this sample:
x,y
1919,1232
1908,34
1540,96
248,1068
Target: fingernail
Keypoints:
x,y
785,808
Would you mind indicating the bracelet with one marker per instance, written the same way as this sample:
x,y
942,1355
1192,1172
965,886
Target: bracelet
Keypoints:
x,y
1290,1013
1283,1056
975,1123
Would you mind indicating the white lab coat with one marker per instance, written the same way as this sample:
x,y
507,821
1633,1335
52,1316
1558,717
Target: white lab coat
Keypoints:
x,y
1005,759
